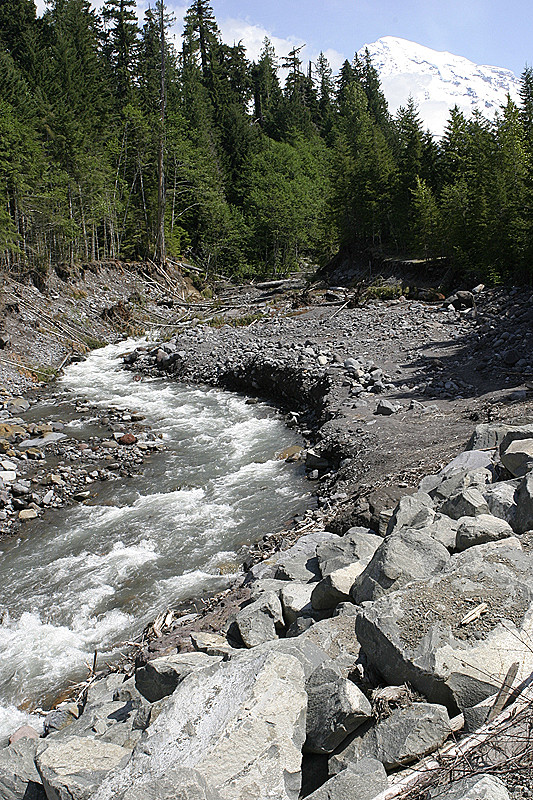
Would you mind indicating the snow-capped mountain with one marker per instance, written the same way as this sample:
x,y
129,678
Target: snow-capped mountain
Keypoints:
x,y
437,81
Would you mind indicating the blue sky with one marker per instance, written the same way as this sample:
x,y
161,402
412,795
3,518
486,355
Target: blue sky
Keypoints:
x,y
485,31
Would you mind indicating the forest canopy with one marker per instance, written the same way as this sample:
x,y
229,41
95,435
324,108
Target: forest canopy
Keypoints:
x,y
116,142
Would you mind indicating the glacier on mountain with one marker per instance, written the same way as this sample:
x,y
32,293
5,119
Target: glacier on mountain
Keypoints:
x,y
437,81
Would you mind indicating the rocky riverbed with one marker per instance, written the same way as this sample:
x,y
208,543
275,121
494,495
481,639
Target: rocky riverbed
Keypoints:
x,y
387,622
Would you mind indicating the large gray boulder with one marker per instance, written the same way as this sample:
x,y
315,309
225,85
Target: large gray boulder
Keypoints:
x,y
501,500
177,784
159,678
406,556
261,620
19,779
443,529
295,600
454,483
364,781
517,458
335,708
241,725
357,546
417,634
469,461
335,637
475,787
407,735
297,563
524,502
335,587
515,434
73,767
480,530
488,435
467,502
413,511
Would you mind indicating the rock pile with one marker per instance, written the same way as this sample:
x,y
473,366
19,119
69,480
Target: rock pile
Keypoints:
x,y
351,659
47,464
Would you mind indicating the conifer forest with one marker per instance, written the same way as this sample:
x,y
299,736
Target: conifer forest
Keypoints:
x,y
119,142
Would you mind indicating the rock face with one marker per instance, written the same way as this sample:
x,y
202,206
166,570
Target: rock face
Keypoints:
x,y
241,727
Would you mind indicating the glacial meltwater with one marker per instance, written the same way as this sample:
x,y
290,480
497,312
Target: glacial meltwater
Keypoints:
x,y
90,577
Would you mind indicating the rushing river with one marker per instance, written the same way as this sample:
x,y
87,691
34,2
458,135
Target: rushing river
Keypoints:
x,y
91,576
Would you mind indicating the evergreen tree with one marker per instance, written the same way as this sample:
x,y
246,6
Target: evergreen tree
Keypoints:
x,y
268,97
121,46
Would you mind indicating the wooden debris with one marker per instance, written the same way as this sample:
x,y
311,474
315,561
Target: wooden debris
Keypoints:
x,y
476,613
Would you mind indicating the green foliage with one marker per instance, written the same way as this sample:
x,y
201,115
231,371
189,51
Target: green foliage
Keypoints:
x,y
263,166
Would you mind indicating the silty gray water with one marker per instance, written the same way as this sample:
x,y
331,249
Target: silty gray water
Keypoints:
x,y
91,576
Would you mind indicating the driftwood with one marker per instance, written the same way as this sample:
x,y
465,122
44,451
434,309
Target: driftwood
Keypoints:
x,y
453,760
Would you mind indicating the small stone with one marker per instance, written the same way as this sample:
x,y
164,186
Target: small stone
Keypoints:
x,y
385,408
27,514
127,439
8,475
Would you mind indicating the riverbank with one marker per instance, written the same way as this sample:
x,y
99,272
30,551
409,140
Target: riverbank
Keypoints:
x,y
384,395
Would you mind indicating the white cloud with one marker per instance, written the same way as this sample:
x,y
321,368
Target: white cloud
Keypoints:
x,y
252,37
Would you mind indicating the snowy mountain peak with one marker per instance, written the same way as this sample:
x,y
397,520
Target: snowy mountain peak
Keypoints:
x,y
437,81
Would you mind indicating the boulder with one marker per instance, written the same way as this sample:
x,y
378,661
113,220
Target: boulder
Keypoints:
x,y
515,433
240,725
74,767
358,545
467,502
407,735
260,621
159,678
335,587
336,638
500,498
443,529
299,562
517,458
413,511
385,408
475,787
19,779
177,784
450,485
468,461
364,781
417,634
295,599
524,503
480,530
335,708
488,436
405,556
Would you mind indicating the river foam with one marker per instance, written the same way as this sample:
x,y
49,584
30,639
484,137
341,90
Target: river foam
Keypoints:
x,y
91,576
